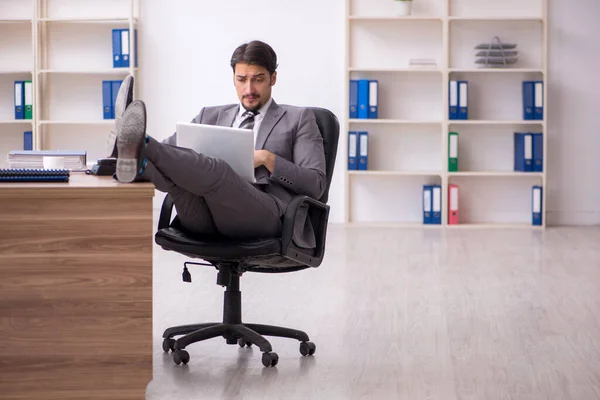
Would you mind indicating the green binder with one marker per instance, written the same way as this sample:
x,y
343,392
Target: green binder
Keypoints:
x,y
453,152
28,103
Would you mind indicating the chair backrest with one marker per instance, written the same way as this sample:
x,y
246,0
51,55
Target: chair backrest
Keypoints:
x,y
329,127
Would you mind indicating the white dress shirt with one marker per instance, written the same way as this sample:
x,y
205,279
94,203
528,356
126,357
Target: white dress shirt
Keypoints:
x,y
257,118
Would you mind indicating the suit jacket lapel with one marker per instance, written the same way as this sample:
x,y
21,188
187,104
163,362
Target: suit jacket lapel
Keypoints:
x,y
227,116
273,115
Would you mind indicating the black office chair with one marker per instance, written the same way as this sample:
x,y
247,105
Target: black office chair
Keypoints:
x,y
234,257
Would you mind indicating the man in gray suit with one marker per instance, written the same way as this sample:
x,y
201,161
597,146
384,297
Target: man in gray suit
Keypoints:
x,y
209,196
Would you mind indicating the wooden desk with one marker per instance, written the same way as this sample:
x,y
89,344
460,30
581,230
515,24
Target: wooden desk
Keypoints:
x,y
75,289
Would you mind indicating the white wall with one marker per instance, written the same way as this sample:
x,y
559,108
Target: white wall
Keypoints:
x,y
186,46
574,105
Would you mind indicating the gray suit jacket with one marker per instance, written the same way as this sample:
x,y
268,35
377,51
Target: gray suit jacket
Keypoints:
x,y
291,133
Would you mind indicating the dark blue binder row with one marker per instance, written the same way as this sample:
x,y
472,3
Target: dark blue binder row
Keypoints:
x,y
358,151
34,175
458,100
529,152
364,98
533,100
432,204
120,47
110,89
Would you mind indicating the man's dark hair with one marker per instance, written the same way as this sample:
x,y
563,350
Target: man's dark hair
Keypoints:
x,y
257,53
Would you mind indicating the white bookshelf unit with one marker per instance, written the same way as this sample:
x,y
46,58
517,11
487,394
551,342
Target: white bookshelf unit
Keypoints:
x,y
65,48
408,141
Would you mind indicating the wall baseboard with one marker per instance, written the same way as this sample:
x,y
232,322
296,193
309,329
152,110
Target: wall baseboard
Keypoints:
x,y
573,218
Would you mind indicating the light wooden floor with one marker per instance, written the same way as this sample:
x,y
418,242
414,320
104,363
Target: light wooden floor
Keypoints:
x,y
402,314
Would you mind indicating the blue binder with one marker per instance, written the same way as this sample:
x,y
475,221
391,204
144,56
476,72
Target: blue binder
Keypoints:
x,y
363,98
116,48
28,140
107,100
538,152
536,205
453,100
373,99
436,204
427,196
352,151
125,48
523,143
353,98
528,100
538,100
19,100
115,86
363,151
463,100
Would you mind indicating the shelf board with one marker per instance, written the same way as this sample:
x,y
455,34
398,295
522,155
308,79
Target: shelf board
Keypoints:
x,y
394,18
394,173
492,225
507,19
112,71
385,224
419,70
15,122
497,70
99,122
491,122
8,72
89,20
507,174
14,21
393,121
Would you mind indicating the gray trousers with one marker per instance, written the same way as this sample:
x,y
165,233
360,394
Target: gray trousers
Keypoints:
x,y
209,196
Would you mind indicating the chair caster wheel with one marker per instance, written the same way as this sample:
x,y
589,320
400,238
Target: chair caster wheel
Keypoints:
x,y
270,359
307,348
243,343
168,345
181,356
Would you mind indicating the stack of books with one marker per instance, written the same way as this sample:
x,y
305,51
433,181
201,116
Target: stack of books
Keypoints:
x,y
74,160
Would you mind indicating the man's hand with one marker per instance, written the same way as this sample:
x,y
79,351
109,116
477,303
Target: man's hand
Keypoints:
x,y
266,158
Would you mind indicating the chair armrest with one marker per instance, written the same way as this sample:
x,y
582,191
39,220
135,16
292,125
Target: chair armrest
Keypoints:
x,y
165,212
318,213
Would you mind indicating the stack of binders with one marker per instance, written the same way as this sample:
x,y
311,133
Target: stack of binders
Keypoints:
x,y
529,152
23,100
358,151
533,100
110,89
364,99
432,204
120,47
34,175
458,100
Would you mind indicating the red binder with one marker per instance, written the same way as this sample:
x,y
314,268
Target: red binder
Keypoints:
x,y
452,204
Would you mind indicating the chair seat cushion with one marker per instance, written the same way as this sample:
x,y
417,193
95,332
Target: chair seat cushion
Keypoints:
x,y
178,240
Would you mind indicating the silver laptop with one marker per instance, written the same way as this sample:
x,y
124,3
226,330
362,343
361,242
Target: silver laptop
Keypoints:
x,y
233,145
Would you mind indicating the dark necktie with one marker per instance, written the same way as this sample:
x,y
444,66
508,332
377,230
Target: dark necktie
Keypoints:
x,y
248,120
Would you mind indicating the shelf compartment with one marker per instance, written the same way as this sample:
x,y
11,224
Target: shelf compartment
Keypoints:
x,y
513,9
7,95
497,99
387,199
374,40
77,10
422,9
16,10
11,138
491,200
16,45
465,35
406,148
411,96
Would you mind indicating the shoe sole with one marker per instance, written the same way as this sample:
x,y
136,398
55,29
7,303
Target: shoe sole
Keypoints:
x,y
130,142
123,100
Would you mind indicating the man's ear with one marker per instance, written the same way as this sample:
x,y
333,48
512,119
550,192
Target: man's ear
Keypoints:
x,y
273,78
